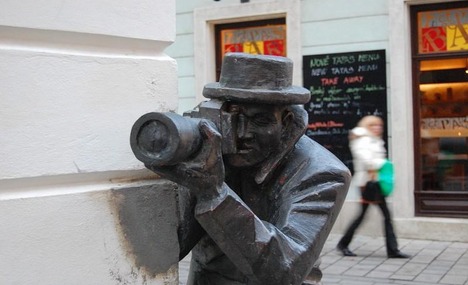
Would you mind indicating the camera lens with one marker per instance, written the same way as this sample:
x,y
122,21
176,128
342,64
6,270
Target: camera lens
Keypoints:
x,y
164,138
153,137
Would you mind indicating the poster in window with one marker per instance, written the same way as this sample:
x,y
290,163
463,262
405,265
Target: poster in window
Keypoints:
x,y
443,30
268,40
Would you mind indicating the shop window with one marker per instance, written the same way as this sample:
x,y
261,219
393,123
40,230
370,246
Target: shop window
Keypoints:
x,y
254,37
443,112
440,76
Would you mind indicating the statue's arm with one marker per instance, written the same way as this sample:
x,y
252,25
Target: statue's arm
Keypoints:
x,y
283,253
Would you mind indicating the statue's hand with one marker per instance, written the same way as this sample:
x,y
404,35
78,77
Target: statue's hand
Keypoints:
x,y
204,174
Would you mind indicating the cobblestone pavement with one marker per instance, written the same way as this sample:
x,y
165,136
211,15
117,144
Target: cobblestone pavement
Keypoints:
x,y
432,262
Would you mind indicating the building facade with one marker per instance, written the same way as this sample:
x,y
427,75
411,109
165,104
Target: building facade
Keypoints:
x,y
404,60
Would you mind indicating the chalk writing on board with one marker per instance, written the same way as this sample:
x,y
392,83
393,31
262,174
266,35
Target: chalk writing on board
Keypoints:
x,y
344,87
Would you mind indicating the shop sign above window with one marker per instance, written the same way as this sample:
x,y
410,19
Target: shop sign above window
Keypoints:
x,y
443,30
269,40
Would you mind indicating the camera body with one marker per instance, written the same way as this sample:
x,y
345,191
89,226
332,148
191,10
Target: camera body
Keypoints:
x,y
168,138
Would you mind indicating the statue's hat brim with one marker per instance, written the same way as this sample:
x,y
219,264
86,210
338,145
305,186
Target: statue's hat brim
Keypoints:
x,y
285,96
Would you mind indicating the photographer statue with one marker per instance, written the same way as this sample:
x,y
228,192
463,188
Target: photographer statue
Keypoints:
x,y
259,197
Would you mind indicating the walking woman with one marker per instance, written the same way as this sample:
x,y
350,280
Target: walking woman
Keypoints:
x,y
369,155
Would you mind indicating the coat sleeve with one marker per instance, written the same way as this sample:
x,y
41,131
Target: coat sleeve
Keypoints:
x,y
362,151
284,250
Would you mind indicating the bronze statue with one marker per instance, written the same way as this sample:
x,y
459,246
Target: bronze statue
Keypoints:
x,y
259,198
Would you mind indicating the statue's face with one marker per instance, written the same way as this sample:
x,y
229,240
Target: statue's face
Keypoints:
x,y
258,133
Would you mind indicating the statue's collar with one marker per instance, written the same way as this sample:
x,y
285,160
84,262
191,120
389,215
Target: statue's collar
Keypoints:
x,y
268,167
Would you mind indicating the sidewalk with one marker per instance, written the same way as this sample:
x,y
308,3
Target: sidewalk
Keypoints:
x,y
432,262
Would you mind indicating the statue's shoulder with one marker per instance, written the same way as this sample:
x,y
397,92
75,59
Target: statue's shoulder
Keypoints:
x,y
306,145
307,149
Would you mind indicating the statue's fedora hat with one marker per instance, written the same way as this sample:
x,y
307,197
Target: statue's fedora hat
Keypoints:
x,y
256,79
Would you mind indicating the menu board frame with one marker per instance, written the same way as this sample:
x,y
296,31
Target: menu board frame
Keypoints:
x,y
344,88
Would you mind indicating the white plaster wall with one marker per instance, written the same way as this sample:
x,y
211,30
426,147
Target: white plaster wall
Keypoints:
x,y
69,99
67,238
75,76
128,19
401,108
66,113
343,26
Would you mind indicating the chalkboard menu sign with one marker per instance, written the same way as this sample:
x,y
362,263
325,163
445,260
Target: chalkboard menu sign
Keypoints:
x,y
345,87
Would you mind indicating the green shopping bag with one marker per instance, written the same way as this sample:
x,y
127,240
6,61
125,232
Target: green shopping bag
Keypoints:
x,y
386,178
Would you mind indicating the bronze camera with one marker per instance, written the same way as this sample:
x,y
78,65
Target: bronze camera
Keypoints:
x,y
168,138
